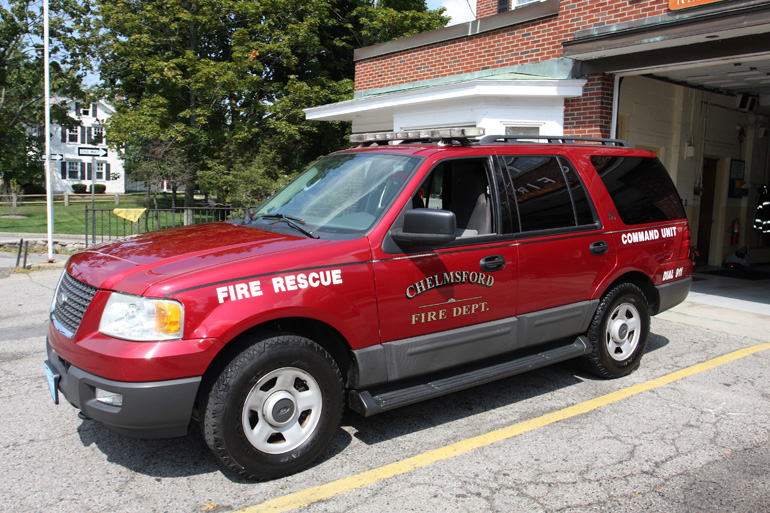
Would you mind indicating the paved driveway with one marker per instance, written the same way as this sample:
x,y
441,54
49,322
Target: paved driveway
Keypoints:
x,y
551,440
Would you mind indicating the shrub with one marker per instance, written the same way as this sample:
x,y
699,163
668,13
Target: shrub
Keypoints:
x,y
99,188
33,189
79,188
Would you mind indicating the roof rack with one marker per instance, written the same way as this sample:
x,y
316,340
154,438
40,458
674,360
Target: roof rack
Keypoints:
x,y
462,136
551,139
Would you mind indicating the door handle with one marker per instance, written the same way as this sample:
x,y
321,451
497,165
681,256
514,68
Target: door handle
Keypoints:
x,y
492,263
599,247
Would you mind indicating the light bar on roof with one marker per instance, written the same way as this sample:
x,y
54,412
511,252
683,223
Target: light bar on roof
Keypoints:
x,y
430,133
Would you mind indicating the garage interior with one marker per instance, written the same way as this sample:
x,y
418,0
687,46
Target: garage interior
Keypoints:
x,y
696,91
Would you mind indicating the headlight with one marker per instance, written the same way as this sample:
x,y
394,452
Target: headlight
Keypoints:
x,y
142,318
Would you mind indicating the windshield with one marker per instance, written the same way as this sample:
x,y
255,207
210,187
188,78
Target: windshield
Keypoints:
x,y
342,193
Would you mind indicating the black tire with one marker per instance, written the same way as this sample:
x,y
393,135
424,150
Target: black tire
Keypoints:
x,y
274,408
618,332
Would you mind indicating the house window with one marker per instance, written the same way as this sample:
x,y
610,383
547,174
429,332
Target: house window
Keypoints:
x,y
85,110
503,5
72,135
98,135
100,171
73,170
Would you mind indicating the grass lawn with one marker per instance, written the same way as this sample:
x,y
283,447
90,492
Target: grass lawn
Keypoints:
x,y
67,220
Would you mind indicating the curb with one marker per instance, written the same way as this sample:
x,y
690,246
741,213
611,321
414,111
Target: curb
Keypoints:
x,y
14,237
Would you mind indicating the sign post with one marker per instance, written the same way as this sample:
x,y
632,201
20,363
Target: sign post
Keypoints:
x,y
48,180
93,200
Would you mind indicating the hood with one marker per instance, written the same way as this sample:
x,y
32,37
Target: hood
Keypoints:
x,y
141,261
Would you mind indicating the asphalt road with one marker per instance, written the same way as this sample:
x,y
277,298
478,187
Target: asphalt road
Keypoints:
x,y
548,441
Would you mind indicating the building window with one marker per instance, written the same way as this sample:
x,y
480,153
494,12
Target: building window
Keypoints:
x,y
522,3
72,135
522,130
100,171
503,5
98,135
73,170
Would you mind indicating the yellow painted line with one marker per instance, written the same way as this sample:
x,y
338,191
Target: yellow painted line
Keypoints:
x,y
346,484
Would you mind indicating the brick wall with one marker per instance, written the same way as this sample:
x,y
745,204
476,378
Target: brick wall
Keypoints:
x,y
486,8
591,114
533,41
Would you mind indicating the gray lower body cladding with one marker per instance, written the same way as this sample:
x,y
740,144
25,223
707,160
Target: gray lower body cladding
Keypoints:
x,y
412,357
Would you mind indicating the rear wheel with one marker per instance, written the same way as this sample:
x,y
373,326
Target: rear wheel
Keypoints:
x,y
618,332
274,408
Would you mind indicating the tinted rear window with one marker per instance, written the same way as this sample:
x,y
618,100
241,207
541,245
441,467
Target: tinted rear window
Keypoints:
x,y
548,193
640,187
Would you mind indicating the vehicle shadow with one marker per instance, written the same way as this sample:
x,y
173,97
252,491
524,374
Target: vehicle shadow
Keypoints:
x,y
443,410
173,457
190,456
163,458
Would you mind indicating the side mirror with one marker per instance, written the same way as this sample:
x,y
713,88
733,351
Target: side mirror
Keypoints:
x,y
426,226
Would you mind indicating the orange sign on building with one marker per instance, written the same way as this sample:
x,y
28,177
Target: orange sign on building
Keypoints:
x,y
683,4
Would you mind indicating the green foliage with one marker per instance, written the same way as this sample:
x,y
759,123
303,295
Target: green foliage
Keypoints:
x,y
154,162
34,189
99,188
79,188
12,196
21,77
225,81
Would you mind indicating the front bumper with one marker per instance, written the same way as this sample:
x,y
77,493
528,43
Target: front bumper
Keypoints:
x,y
156,409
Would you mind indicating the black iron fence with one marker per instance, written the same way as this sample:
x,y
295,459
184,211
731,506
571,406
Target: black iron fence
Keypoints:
x,y
104,224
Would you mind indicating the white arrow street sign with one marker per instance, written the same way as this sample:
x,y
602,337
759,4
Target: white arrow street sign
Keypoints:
x,y
92,152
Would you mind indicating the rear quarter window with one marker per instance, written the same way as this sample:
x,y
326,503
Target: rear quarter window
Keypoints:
x,y
640,188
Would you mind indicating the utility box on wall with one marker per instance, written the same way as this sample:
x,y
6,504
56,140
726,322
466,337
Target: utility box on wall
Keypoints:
x,y
736,182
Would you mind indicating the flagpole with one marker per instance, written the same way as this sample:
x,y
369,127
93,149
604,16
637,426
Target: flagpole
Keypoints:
x,y
48,180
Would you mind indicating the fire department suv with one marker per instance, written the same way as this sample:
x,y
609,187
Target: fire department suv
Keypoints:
x,y
409,267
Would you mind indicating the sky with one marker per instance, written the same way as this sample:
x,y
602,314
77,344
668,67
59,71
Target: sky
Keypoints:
x,y
459,10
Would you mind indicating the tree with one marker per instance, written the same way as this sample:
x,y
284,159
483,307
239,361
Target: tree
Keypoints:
x,y
157,162
21,78
227,79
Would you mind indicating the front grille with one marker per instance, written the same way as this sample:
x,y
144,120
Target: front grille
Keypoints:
x,y
72,300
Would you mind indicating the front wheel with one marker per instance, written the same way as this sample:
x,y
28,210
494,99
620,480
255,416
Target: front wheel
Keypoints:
x,y
618,332
274,408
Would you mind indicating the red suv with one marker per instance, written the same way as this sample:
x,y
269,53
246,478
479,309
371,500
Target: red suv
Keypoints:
x,y
412,266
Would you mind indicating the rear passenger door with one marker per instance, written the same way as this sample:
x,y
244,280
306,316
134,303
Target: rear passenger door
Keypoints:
x,y
562,251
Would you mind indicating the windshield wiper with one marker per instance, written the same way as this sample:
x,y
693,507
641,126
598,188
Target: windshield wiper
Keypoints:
x,y
291,221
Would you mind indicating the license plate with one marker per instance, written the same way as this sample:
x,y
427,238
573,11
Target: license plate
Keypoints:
x,y
53,380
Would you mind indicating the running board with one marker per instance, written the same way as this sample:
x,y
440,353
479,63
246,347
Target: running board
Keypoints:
x,y
371,402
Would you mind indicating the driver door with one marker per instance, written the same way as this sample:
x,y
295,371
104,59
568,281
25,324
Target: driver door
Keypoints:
x,y
446,305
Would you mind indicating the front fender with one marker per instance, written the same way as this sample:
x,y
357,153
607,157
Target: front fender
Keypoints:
x,y
342,297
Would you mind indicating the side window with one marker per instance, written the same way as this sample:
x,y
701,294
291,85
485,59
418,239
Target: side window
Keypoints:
x,y
541,191
460,186
640,188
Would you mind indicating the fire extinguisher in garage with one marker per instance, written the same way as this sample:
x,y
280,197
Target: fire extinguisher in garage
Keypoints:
x,y
735,232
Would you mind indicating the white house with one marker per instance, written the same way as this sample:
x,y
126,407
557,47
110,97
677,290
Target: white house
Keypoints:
x,y
81,155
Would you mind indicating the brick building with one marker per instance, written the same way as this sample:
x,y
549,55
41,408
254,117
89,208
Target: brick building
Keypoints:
x,y
686,79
